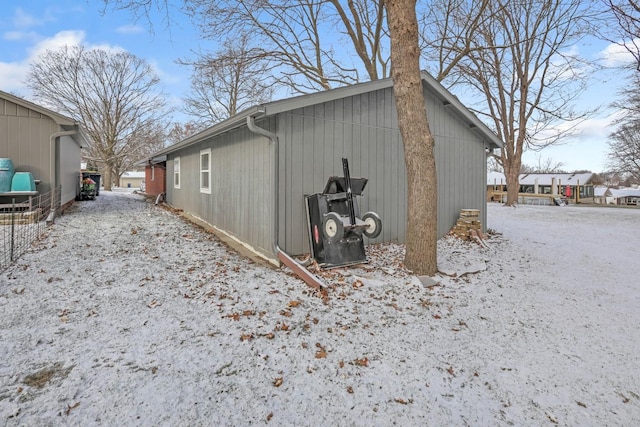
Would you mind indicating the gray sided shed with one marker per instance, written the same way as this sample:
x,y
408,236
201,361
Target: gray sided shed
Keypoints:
x,y
42,142
299,142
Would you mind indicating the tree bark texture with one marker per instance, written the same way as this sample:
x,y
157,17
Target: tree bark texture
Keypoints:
x,y
422,238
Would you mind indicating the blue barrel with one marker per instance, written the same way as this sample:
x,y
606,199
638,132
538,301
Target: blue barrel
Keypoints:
x,y
23,181
6,174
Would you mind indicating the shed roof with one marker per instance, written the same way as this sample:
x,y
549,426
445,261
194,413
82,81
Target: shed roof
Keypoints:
x,y
625,192
601,190
496,178
276,107
133,174
67,123
543,178
560,178
56,117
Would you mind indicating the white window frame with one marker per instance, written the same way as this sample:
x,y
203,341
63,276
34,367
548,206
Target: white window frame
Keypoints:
x,y
205,181
176,172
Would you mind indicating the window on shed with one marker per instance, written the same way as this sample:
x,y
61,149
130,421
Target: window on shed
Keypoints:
x,y
176,172
205,171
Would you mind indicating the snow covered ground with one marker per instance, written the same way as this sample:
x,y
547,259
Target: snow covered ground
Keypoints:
x,y
127,315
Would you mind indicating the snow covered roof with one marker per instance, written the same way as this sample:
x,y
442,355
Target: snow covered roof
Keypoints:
x,y
133,174
494,178
625,192
601,190
560,178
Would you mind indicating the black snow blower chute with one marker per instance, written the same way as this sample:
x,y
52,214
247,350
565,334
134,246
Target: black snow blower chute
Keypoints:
x,y
335,225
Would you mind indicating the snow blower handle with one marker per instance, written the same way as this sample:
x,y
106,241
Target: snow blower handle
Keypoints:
x,y
347,184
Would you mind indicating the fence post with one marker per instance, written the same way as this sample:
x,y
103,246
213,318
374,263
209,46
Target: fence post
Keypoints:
x,y
11,242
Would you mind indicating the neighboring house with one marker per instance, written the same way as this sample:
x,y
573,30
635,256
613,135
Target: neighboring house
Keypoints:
x,y
42,142
573,186
131,179
602,195
247,176
155,181
626,196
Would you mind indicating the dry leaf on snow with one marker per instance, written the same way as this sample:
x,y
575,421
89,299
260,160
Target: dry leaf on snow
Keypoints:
x,y
234,316
321,353
361,362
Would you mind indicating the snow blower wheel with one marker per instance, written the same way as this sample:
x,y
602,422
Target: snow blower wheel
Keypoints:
x,y
332,229
374,224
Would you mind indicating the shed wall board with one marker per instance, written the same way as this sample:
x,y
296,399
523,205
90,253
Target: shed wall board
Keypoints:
x,y
25,138
241,196
312,139
69,169
364,129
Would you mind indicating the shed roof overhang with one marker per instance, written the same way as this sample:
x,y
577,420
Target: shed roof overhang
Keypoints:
x,y
150,161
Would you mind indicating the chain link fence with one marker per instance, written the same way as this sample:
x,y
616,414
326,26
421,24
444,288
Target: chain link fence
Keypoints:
x,y
23,220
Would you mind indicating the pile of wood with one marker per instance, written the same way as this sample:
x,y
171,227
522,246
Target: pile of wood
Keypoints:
x,y
468,226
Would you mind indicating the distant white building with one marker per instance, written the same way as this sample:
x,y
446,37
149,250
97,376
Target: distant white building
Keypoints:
x,y
626,196
570,185
603,195
132,179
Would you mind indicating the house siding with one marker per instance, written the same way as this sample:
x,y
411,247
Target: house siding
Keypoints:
x,y
241,196
69,169
364,129
25,138
313,133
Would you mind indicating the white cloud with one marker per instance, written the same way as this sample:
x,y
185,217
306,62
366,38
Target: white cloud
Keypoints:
x,y
61,39
20,36
24,20
12,74
615,54
166,77
129,29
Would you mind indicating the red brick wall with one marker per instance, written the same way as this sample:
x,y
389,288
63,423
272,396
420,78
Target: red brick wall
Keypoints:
x,y
154,179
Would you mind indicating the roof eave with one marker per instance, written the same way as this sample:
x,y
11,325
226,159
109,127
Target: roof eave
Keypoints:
x,y
56,117
289,104
449,100
222,127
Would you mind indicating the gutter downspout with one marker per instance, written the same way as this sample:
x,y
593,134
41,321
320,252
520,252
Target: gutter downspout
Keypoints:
x,y
309,278
52,174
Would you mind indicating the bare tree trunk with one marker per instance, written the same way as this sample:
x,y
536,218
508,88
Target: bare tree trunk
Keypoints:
x,y
106,178
421,256
512,175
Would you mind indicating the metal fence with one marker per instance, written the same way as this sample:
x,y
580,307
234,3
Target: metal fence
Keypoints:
x,y
23,220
